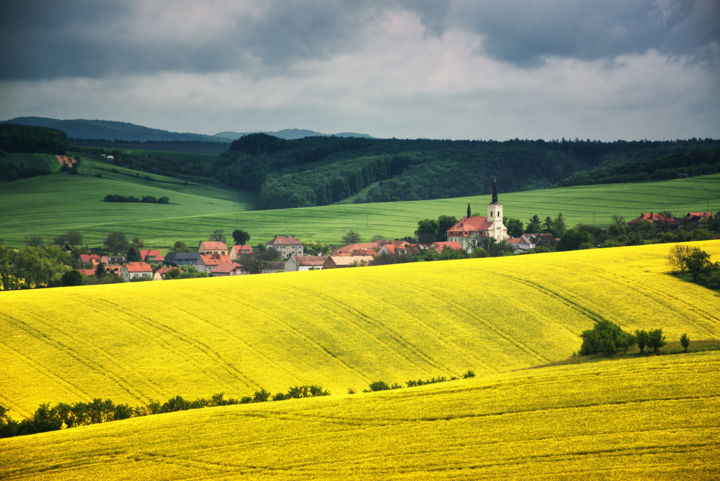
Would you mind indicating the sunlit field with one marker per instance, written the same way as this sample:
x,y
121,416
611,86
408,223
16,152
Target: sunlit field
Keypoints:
x,y
339,328
656,417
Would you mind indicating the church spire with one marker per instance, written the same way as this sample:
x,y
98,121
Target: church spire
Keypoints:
x,y
494,197
469,211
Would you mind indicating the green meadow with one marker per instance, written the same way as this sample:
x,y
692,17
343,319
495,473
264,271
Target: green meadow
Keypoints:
x,y
53,204
42,162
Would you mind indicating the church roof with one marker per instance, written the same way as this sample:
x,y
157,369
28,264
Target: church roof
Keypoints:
x,y
466,225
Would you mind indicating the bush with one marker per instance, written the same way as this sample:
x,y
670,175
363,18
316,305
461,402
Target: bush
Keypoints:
x,y
685,341
468,374
607,338
379,386
641,337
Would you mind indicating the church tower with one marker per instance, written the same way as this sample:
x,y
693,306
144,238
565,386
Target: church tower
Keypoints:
x,y
495,217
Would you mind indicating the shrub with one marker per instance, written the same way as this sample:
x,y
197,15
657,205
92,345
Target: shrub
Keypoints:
x,y
656,340
605,337
379,386
468,374
685,341
641,337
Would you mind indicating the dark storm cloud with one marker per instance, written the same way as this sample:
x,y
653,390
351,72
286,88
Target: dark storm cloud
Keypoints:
x,y
40,39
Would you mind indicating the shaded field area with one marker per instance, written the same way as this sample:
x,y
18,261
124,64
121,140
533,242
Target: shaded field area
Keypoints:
x,y
341,329
52,205
650,418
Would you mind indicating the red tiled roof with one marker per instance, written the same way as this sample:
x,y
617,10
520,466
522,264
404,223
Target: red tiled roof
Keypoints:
x,y
138,267
346,261
238,249
88,258
212,246
390,248
652,217
700,214
440,246
364,248
310,260
284,240
225,268
468,225
144,254
215,259
87,272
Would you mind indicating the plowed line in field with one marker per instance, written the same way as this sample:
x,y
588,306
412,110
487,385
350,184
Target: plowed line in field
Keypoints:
x,y
439,336
121,370
49,372
486,324
197,345
167,346
256,352
93,366
394,336
8,403
566,300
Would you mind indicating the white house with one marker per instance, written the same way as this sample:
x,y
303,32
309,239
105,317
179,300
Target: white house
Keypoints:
x,y
469,231
304,263
287,246
134,270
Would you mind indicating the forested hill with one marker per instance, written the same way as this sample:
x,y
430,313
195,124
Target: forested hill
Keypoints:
x,y
23,138
325,170
112,130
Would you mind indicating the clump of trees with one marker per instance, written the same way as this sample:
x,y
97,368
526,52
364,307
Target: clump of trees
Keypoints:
x,y
147,199
694,264
608,338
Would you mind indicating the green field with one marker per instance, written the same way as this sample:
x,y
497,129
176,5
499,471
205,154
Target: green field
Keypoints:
x,y
42,162
51,205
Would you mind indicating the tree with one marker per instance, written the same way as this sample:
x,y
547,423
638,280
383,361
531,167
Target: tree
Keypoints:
x,y
641,337
427,231
685,341
34,241
71,278
116,242
605,337
72,238
547,225
217,235
240,237
533,226
656,340
558,228
445,222
698,262
180,246
514,226
351,237
677,258
100,269
133,255
138,243
573,239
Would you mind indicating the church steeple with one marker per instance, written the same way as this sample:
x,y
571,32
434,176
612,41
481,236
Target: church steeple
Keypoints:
x,y
469,213
494,197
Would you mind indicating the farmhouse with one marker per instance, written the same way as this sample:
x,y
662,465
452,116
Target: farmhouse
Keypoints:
x,y
182,258
151,256
334,262
207,262
286,246
226,269
398,248
213,247
471,229
360,249
135,270
305,263
238,250
441,246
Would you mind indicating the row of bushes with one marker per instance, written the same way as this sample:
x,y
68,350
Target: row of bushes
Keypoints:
x,y
62,415
608,338
148,199
383,386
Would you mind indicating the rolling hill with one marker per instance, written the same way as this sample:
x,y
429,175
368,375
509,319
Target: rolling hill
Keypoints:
x,y
51,205
340,328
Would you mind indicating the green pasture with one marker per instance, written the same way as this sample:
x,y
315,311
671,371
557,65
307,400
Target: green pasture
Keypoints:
x,y
44,162
51,205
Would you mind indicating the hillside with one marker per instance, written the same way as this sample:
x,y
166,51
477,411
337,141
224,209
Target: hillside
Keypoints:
x,y
339,328
654,418
112,130
324,170
51,205
289,134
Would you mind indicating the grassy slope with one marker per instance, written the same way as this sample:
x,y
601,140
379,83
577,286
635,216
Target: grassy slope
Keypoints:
x,y
342,328
651,418
51,205
47,162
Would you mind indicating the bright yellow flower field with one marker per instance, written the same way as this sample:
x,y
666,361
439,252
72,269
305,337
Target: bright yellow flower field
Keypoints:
x,y
342,328
656,417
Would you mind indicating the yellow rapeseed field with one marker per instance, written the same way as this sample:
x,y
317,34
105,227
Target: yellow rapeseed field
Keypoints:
x,y
342,329
656,417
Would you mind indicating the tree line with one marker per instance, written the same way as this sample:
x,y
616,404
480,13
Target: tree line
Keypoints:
x,y
148,199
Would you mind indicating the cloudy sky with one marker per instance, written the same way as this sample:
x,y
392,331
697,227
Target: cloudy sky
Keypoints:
x,y
461,69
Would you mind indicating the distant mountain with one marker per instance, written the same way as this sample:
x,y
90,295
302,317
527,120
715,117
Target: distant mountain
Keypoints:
x,y
112,130
291,134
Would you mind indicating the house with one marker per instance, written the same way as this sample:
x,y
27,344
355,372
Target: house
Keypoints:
x,y
470,230
694,216
90,259
238,250
522,243
442,245
213,247
181,258
115,269
136,270
398,248
653,218
151,256
305,263
115,259
87,272
207,262
360,249
286,246
334,262
160,273
226,269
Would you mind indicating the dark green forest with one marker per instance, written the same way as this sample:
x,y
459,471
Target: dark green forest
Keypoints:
x,y
38,140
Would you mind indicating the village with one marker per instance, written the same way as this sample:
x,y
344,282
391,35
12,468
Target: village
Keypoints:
x,y
470,235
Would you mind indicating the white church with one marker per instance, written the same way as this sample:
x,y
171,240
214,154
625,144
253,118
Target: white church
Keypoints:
x,y
470,230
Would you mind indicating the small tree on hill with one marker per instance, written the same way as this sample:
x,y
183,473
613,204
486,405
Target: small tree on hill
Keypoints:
x,y
217,235
116,242
351,237
240,237
685,341
656,340
641,337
